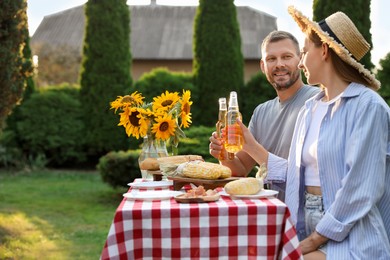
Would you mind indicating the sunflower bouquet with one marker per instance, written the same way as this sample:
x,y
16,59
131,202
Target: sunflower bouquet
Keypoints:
x,y
161,119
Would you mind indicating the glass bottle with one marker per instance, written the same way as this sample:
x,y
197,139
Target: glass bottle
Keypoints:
x,y
221,125
151,148
234,138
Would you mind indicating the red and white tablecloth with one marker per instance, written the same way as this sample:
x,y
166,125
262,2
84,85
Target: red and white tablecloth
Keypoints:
x,y
226,229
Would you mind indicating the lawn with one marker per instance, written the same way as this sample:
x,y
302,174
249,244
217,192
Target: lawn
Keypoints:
x,y
55,214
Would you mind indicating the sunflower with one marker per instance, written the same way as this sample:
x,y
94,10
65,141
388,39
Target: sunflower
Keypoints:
x,y
134,122
128,100
165,101
116,103
185,114
159,119
164,127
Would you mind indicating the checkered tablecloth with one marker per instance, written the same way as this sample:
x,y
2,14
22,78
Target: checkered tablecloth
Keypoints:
x,y
226,229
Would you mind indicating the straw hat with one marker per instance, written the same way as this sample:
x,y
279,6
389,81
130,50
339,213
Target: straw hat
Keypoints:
x,y
340,33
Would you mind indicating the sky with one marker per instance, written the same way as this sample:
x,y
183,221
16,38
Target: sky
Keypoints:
x,y
380,23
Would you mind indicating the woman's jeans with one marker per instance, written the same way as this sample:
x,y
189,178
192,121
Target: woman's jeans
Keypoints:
x,y
314,210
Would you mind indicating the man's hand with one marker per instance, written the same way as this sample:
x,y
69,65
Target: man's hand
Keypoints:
x,y
216,146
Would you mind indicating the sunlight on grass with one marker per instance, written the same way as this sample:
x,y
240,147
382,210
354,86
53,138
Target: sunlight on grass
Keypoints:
x,y
53,214
21,239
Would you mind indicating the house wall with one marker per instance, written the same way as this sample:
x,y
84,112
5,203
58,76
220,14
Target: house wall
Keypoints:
x,y
140,67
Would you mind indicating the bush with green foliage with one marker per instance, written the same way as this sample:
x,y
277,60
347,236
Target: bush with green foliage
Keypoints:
x,y
158,80
383,75
197,142
51,125
119,168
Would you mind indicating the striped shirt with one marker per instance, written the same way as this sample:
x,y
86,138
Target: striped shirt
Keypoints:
x,y
354,168
272,125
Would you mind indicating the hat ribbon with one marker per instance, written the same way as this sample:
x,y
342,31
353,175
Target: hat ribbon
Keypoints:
x,y
325,27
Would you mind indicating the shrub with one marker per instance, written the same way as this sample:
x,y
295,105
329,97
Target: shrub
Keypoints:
x,y
51,126
10,154
119,168
197,142
160,79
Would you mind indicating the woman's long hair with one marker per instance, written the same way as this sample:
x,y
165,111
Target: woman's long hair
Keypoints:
x,y
343,69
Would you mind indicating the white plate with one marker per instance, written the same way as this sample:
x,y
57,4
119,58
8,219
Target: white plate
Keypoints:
x,y
151,184
151,195
260,194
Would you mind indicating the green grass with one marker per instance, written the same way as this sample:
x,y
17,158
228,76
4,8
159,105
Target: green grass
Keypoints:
x,y
55,214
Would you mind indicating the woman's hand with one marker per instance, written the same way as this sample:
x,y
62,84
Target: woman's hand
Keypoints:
x,y
312,242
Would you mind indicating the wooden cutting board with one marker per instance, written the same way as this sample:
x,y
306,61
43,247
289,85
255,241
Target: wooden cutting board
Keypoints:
x,y
179,182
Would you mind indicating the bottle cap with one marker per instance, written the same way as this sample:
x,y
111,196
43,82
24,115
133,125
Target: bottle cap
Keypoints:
x,y
222,103
233,99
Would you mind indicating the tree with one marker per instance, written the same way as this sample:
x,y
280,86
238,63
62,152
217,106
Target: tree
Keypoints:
x,y
15,67
29,88
358,11
218,61
105,72
383,75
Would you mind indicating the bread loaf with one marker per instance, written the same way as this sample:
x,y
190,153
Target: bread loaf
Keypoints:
x,y
153,164
150,164
178,159
244,186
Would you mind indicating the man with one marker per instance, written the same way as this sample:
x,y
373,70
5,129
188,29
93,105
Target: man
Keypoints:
x,y
272,123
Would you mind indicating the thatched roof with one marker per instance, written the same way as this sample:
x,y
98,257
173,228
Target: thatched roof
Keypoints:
x,y
157,31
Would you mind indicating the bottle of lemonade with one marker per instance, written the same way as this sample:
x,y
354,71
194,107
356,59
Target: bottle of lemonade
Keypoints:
x,y
234,138
221,124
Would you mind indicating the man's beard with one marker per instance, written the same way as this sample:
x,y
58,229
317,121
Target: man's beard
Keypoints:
x,y
294,77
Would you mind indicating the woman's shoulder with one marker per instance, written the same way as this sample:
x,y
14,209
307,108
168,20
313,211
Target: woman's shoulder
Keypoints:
x,y
364,96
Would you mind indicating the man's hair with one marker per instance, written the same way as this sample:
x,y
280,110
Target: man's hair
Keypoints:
x,y
276,36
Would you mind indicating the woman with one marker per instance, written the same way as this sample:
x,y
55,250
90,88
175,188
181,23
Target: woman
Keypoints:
x,y
337,173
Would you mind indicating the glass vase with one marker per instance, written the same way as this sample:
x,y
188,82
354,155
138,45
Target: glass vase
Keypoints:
x,y
151,148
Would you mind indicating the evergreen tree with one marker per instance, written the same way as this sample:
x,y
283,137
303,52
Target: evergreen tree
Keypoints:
x,y
105,73
15,67
218,61
358,11
383,75
14,117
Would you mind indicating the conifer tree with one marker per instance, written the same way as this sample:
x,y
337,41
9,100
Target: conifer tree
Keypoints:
x,y
358,11
15,67
105,73
29,86
218,60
